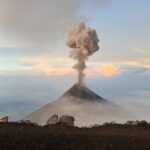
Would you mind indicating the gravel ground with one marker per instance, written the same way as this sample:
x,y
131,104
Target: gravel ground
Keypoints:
x,y
15,136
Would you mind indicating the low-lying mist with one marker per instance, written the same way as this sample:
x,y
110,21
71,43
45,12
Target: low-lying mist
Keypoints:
x,y
137,104
85,112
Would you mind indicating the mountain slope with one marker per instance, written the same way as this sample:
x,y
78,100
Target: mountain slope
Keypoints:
x,y
87,107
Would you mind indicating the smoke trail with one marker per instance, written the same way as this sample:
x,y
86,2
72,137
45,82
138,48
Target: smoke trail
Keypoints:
x,y
84,42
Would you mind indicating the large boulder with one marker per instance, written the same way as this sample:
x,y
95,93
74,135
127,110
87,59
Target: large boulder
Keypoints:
x,y
4,119
52,120
66,120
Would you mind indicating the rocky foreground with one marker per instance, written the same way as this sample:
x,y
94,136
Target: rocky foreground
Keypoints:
x,y
21,136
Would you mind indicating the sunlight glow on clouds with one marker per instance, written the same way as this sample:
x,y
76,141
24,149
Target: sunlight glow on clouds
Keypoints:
x,y
109,70
105,70
56,65
49,70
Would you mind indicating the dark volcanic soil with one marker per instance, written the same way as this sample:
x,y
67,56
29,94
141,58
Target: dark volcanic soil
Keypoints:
x,y
109,137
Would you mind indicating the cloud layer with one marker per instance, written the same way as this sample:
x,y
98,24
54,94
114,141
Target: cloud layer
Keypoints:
x,y
40,22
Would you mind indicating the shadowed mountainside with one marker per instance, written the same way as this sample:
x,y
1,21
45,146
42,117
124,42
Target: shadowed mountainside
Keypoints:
x,y
84,93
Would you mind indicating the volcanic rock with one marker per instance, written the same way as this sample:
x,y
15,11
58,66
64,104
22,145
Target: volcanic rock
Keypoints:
x,y
52,120
67,120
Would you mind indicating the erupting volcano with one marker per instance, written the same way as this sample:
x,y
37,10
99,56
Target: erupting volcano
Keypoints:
x,y
83,104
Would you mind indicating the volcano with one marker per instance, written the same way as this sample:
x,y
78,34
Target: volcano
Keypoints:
x,y
82,92
84,105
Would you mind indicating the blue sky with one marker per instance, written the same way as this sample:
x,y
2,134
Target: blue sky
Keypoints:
x,y
35,67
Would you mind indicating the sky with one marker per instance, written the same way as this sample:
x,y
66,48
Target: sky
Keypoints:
x,y
35,67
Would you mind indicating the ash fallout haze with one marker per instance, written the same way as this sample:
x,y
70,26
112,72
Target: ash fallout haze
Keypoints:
x,y
109,49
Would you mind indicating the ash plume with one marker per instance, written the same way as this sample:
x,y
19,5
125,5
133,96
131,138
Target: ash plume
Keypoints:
x,y
84,42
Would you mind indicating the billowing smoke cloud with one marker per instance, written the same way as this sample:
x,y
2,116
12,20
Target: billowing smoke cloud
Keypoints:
x,y
84,42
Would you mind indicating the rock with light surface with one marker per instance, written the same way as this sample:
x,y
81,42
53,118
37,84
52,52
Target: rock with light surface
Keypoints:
x,y
52,120
66,120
